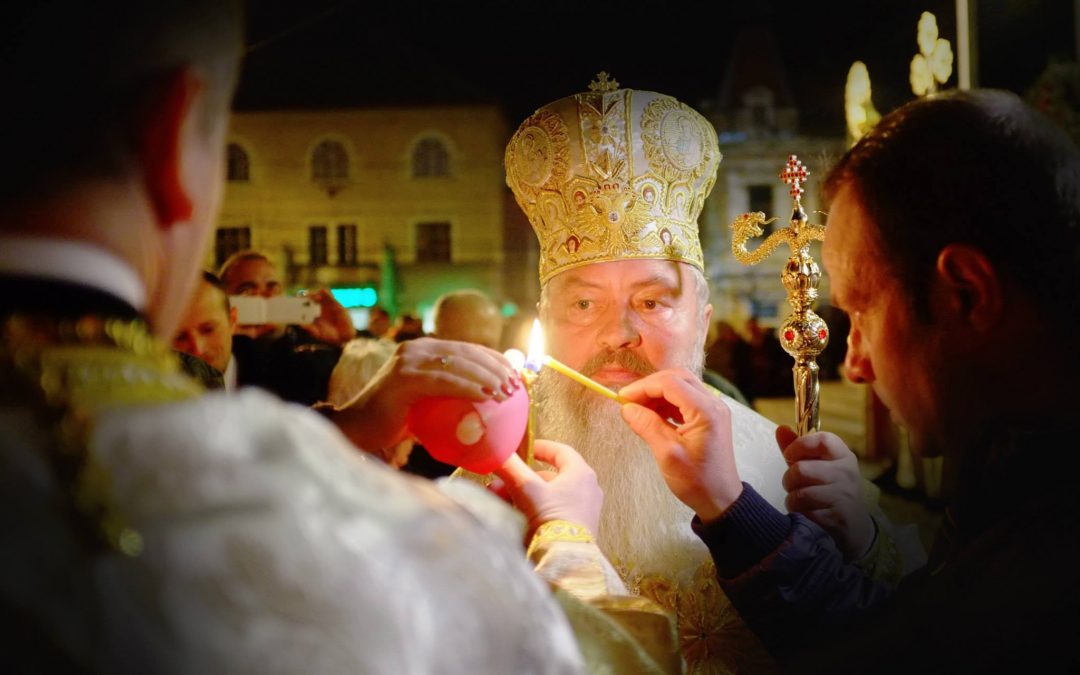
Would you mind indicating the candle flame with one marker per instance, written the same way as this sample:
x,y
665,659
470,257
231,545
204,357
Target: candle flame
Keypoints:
x,y
535,360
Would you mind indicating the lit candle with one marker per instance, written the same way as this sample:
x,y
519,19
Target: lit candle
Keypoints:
x,y
528,378
528,367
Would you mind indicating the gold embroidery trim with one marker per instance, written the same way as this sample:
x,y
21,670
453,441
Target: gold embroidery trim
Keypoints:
x,y
559,531
67,370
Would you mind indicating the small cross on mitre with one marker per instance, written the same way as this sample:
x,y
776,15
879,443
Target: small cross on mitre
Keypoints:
x,y
602,83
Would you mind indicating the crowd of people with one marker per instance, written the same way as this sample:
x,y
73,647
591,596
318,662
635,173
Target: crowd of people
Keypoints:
x,y
238,508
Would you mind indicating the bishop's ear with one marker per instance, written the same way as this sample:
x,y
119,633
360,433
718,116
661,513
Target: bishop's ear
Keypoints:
x,y
166,121
971,286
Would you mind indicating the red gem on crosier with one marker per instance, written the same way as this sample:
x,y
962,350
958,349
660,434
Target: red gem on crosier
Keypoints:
x,y
789,335
822,334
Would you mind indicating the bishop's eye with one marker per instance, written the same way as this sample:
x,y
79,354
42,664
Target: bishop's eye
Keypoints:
x,y
650,304
583,304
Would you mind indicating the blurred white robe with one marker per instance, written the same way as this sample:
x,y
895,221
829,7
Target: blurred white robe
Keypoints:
x,y
273,545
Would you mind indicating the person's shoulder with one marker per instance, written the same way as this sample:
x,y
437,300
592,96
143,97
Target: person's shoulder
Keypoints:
x,y
759,460
721,384
248,446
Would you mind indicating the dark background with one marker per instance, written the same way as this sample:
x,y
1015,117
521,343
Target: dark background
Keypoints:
x,y
347,53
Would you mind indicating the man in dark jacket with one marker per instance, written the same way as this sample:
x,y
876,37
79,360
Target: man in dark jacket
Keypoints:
x,y
952,242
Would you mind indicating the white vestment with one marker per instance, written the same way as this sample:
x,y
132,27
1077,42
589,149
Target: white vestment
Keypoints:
x,y
270,544
758,459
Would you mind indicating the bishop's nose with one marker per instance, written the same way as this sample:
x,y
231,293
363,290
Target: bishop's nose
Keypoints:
x,y
618,331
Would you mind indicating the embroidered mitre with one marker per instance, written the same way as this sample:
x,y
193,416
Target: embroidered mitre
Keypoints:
x,y
611,174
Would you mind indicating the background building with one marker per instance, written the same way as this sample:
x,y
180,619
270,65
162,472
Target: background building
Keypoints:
x,y
757,121
387,205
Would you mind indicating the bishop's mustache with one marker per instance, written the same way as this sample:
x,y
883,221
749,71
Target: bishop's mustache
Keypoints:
x,y
624,358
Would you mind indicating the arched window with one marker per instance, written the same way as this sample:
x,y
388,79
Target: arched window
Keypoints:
x,y
329,162
430,159
238,166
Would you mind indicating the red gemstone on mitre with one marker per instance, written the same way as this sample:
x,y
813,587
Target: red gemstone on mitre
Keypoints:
x,y
789,335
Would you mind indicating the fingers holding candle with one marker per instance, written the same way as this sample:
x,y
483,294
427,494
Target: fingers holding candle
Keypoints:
x,y
570,492
696,459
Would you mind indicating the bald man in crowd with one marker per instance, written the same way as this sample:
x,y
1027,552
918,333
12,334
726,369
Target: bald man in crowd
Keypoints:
x,y
469,316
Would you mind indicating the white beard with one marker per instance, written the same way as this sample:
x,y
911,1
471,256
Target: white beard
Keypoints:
x,y
644,529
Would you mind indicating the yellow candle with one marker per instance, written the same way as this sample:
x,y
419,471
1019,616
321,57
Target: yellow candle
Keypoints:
x,y
583,380
528,377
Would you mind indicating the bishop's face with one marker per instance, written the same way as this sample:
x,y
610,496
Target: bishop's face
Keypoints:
x,y
618,321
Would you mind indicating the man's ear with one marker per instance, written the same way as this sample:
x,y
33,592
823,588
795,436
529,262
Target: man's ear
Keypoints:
x,y
232,319
971,286
165,115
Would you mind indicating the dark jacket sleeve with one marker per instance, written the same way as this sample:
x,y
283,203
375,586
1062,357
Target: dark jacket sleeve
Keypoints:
x,y
785,574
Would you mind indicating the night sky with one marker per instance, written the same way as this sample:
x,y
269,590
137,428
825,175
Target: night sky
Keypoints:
x,y
346,53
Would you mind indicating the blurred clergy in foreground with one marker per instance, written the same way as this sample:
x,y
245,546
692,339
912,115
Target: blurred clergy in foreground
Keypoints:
x,y
151,527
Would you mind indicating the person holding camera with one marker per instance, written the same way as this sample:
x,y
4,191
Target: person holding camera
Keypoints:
x,y
283,347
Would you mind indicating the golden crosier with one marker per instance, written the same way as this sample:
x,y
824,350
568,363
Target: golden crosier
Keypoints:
x,y
611,174
803,334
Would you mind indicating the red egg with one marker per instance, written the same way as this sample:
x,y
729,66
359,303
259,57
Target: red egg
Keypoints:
x,y
475,435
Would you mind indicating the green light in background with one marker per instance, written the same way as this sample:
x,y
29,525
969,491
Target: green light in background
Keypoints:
x,y
356,297
509,309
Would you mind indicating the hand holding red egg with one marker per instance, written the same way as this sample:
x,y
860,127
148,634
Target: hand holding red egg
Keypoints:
x,y
476,435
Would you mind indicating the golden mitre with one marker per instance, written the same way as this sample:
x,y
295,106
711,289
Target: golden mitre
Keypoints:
x,y
613,174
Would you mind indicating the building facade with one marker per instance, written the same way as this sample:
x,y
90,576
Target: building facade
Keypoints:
x,y
757,122
395,205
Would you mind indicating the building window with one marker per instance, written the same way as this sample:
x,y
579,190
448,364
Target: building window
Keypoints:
x,y
317,245
430,159
229,240
433,242
346,245
761,198
238,166
329,162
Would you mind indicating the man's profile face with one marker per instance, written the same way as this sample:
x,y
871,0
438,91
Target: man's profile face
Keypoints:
x,y
253,276
889,348
618,321
206,331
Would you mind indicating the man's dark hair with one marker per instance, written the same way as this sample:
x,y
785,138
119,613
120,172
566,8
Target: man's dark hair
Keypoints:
x,y
239,257
77,75
976,167
215,281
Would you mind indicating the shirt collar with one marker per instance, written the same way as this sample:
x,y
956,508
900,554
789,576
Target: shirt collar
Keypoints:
x,y
229,376
72,261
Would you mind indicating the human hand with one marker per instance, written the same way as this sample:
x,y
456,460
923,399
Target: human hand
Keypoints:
x,y
824,484
697,458
334,324
420,368
570,492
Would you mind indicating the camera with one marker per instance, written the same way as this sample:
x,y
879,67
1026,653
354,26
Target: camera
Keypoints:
x,y
282,309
